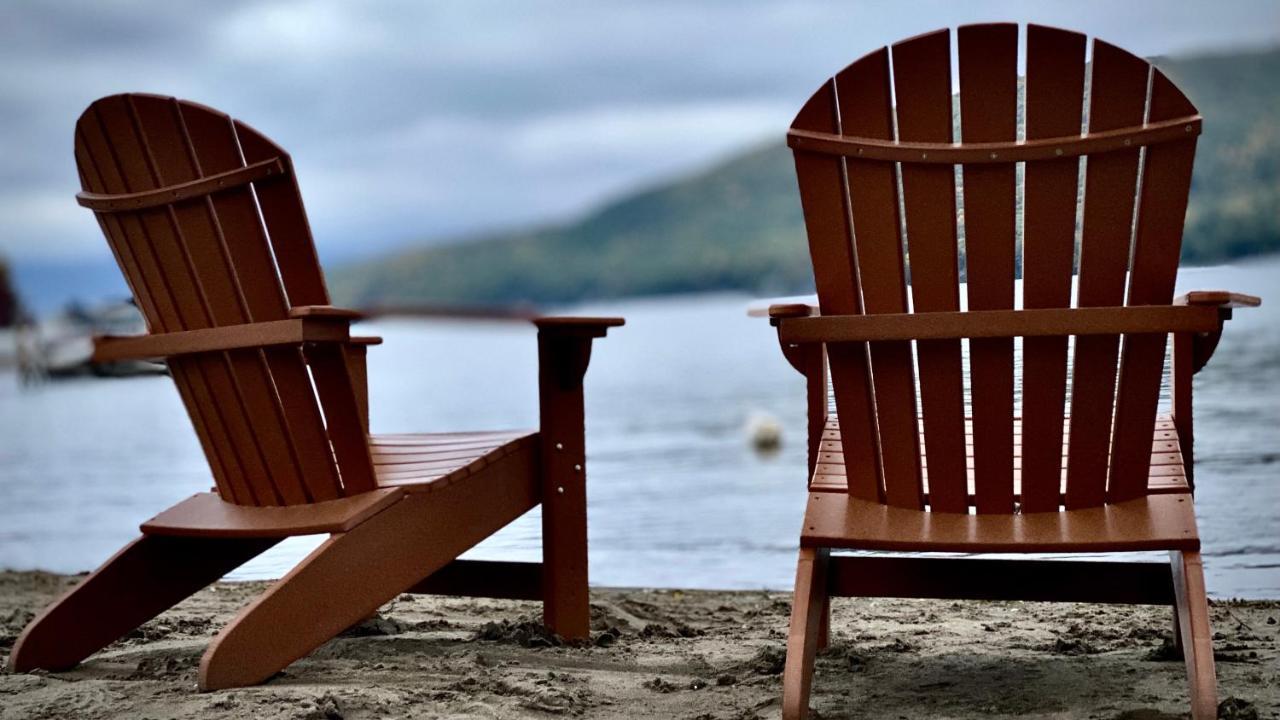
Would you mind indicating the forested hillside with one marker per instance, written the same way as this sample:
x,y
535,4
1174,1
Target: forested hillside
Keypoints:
x,y
738,226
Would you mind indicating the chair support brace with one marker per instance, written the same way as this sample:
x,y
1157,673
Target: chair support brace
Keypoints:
x,y
170,194
998,323
1138,583
861,148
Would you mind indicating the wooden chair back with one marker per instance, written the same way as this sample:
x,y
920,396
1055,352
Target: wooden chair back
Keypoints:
x,y
890,167
205,219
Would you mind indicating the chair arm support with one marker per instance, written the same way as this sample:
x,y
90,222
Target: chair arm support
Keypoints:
x,y
1199,347
810,360
564,348
591,327
295,331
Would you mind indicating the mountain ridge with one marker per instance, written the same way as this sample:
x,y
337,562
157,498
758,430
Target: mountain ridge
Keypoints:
x,y
737,225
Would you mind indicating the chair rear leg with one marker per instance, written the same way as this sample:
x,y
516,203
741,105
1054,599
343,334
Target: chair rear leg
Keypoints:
x,y
824,630
1195,634
807,611
146,577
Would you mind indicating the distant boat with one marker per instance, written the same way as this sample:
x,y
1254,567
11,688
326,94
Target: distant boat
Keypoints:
x,y
62,346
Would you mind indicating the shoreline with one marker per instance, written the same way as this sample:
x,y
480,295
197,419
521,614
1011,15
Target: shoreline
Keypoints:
x,y
663,654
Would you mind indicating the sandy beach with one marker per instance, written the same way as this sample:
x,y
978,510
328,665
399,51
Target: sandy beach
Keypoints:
x,y
664,654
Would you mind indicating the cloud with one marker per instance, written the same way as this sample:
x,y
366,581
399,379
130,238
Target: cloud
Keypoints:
x,y
413,121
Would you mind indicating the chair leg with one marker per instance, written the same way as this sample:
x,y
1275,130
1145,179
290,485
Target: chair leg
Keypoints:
x,y
566,608
352,574
1194,632
806,624
824,630
146,577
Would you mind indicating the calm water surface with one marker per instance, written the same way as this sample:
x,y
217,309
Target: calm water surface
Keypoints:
x,y
677,495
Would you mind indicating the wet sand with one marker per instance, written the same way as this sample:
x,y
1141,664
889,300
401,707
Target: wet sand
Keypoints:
x,y
664,654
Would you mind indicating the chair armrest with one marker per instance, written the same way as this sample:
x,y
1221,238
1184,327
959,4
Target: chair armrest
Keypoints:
x,y
791,306
592,327
564,350
1218,298
1194,351
295,331
782,311
324,311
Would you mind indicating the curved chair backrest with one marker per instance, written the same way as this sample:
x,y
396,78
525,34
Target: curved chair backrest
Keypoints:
x,y
885,190
205,219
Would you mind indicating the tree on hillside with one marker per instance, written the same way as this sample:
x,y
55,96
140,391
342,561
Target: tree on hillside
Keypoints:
x,y
9,305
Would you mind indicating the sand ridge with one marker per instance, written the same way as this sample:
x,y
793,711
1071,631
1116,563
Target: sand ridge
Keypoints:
x,y
663,654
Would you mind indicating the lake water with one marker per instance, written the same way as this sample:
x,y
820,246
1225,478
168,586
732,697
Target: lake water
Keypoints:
x,y
677,495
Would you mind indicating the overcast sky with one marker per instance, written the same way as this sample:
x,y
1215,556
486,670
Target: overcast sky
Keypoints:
x,y
417,121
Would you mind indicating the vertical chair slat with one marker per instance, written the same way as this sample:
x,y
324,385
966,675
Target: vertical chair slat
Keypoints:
x,y
865,105
922,82
824,200
1162,207
1054,100
988,113
1117,99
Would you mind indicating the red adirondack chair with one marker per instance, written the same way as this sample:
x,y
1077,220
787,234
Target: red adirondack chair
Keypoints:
x,y
907,462
205,219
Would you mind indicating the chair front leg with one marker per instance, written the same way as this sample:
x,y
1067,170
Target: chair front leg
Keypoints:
x,y
811,597
564,351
